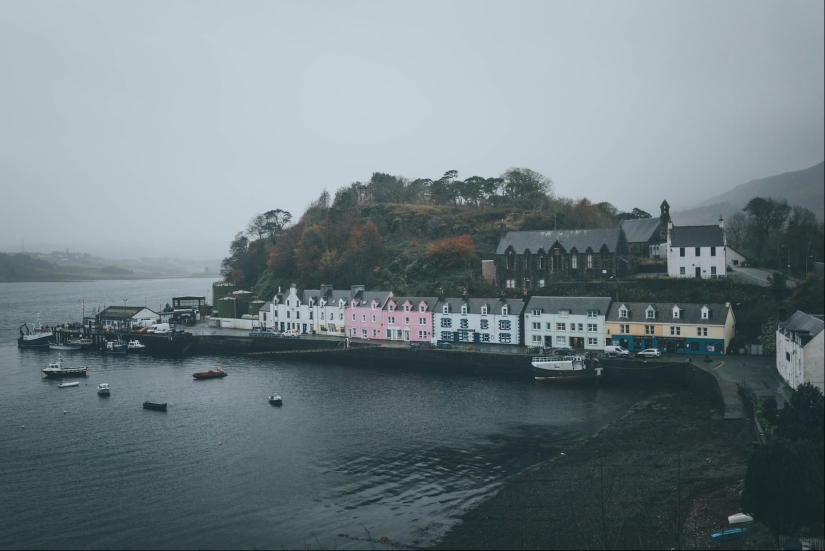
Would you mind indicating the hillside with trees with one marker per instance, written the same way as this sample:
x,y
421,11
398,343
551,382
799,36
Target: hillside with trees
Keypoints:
x,y
414,237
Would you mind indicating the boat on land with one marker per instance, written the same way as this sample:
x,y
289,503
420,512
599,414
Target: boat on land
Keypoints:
x,y
135,345
39,336
276,400
66,385
155,406
103,389
565,369
117,346
57,369
211,374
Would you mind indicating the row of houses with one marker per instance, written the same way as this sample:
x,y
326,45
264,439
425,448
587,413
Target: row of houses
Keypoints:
x,y
584,323
529,259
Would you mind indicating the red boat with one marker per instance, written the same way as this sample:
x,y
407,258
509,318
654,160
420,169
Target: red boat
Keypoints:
x,y
210,374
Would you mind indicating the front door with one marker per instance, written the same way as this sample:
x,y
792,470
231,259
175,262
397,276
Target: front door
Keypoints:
x,y
407,335
698,272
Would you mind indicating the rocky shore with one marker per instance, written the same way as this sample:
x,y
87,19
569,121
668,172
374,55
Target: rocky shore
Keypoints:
x,y
671,468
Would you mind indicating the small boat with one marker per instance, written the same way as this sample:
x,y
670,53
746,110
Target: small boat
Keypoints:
x,y
155,406
68,345
276,400
56,369
103,389
66,385
38,337
135,345
565,369
729,534
118,347
86,343
210,374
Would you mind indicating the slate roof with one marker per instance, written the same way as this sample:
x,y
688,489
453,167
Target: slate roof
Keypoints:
x,y
697,236
415,301
121,312
366,297
576,305
265,306
474,305
580,239
640,230
690,314
805,324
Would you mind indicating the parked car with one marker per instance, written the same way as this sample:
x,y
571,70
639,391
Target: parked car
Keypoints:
x,y
649,353
290,334
611,350
564,351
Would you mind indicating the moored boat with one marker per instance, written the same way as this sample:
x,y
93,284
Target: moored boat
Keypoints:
x,y
66,385
565,369
154,405
38,337
135,345
118,346
210,374
56,369
276,400
103,389
68,345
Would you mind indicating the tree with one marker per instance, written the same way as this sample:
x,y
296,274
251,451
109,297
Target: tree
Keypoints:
x,y
269,224
767,217
803,417
784,485
453,251
736,230
525,186
231,266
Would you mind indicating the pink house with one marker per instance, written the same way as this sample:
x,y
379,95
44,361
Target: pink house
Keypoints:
x,y
363,317
409,319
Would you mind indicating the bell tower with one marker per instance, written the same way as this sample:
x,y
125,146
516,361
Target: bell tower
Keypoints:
x,y
664,218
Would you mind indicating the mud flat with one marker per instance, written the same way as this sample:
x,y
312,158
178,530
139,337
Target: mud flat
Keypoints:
x,y
619,489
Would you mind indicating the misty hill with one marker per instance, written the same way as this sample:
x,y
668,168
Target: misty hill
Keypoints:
x,y
804,188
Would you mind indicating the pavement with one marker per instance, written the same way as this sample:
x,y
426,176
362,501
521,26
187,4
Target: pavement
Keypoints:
x,y
758,372
756,276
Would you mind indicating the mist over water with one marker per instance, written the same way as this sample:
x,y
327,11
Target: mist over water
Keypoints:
x,y
398,452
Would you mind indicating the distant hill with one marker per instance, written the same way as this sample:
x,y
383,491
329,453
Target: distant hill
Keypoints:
x,y
805,188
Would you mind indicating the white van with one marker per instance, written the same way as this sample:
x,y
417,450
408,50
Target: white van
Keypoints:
x,y
611,350
159,328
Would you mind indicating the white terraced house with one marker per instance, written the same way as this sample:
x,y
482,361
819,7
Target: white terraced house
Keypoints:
x,y
330,308
696,251
555,322
290,313
478,320
799,350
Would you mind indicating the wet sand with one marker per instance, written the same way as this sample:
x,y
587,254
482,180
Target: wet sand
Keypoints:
x,y
619,489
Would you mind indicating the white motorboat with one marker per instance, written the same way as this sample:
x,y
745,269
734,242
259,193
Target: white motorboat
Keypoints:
x,y
66,385
276,400
56,369
562,369
103,388
135,345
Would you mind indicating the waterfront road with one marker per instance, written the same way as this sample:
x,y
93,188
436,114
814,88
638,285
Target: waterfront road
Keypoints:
x,y
758,372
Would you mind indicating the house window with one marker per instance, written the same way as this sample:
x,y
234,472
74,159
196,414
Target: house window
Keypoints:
x,y
713,270
540,262
504,338
592,314
560,339
422,334
509,261
563,313
390,319
485,324
682,270
464,335
446,309
787,356
574,261
541,283
504,311
537,325
537,312
375,333
373,306
463,308
353,317
624,329
485,337
592,341
713,251
511,283
504,325
698,251
363,317
406,321
406,307
589,261
446,322
675,313
422,321
701,331
592,327
681,251
421,308
549,326
649,329
322,314
363,333
622,313
705,313
561,327
536,339
373,318
464,323
288,314
483,310
675,330
446,336
650,314
297,315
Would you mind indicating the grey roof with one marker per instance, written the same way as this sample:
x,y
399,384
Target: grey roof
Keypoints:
x,y
330,295
474,305
265,306
804,324
697,236
576,305
365,297
122,312
580,239
640,230
689,313
415,301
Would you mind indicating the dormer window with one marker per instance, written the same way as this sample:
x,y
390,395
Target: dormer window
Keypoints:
x,y
463,308
446,308
623,313
564,313
536,312
421,308
504,311
406,307
705,313
483,310
676,312
373,306
650,313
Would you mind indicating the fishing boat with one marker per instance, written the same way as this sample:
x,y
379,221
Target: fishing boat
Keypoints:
x,y
39,336
118,346
66,385
135,345
565,369
276,400
210,374
56,370
103,389
154,405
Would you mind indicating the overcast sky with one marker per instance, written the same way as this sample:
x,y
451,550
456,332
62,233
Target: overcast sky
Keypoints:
x,y
169,124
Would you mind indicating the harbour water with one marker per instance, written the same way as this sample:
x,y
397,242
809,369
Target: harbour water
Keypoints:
x,y
389,450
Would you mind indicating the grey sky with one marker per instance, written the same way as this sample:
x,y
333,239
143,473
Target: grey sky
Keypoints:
x,y
173,123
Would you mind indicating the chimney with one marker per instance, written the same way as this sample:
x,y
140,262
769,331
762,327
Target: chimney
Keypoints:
x,y
721,222
464,296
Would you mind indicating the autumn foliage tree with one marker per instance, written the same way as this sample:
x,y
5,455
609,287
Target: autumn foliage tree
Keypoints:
x,y
450,252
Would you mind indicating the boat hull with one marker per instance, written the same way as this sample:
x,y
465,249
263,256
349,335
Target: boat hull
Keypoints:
x,y
37,342
209,375
154,406
63,373
62,347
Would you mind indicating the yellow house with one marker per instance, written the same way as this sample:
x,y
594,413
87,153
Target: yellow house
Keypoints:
x,y
673,328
